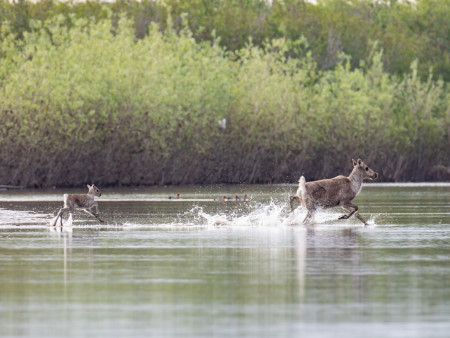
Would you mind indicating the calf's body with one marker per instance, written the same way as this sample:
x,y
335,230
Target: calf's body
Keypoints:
x,y
334,192
85,202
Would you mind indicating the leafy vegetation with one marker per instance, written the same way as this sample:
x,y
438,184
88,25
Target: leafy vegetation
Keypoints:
x,y
130,93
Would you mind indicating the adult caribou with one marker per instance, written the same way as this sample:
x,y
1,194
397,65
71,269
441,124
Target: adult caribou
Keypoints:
x,y
334,192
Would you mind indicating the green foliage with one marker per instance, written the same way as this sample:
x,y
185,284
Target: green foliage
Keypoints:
x,y
405,30
114,100
89,99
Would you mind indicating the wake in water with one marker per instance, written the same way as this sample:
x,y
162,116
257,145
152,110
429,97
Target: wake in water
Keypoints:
x,y
258,214
271,214
16,218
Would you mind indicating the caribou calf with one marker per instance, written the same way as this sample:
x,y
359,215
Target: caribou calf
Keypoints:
x,y
83,202
333,192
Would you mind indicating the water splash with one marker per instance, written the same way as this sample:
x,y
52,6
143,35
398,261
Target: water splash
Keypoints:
x,y
372,219
262,215
265,215
259,215
69,221
275,213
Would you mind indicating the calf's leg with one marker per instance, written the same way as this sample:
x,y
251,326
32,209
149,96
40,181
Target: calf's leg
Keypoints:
x,y
59,216
95,205
90,212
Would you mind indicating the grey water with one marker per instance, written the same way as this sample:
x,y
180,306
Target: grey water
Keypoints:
x,y
195,267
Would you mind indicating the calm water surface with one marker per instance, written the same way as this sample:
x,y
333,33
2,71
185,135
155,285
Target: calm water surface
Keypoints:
x,y
195,267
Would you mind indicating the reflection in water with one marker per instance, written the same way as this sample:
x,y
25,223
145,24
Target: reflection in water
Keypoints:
x,y
337,253
64,233
299,249
168,268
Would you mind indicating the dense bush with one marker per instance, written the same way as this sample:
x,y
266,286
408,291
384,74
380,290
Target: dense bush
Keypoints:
x,y
405,30
93,103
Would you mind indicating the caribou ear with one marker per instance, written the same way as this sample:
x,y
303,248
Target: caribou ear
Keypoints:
x,y
354,163
360,162
89,186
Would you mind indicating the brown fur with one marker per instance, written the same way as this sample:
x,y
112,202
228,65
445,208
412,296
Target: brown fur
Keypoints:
x,y
333,192
84,202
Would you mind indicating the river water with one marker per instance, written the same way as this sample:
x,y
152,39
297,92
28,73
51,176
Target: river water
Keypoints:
x,y
196,267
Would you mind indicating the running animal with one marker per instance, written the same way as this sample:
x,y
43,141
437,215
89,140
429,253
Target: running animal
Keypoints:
x,y
333,192
83,202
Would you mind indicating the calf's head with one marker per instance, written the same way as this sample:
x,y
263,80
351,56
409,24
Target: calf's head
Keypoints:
x,y
93,190
364,170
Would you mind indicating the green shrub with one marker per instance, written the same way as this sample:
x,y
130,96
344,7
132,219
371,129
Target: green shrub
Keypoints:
x,y
92,103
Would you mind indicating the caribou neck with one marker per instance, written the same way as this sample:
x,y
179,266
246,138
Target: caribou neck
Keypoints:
x,y
356,180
